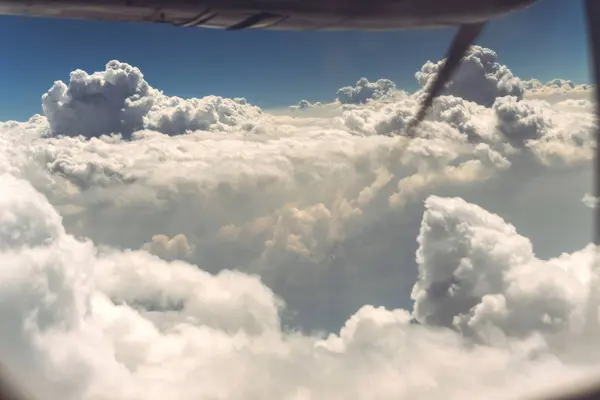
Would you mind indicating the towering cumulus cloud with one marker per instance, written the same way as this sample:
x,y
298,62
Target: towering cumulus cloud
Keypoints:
x,y
157,247
113,101
119,100
477,275
480,78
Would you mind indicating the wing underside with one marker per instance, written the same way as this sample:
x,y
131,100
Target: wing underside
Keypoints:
x,y
271,14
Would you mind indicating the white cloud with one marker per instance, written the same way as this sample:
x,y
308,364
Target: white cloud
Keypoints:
x,y
91,323
113,101
290,199
559,90
174,116
590,201
119,100
175,253
364,91
305,105
556,85
480,78
477,275
520,122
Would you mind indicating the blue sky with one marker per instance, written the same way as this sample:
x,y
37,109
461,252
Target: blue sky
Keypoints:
x,y
271,69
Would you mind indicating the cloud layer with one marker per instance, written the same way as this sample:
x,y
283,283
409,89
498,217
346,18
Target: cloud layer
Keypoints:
x,y
312,253
126,324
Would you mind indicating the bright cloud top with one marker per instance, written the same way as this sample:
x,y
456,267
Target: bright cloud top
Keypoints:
x,y
211,249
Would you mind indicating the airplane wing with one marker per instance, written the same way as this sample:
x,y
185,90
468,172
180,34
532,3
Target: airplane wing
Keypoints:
x,y
273,14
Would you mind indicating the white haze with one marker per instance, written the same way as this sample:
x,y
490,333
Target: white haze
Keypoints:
x,y
155,247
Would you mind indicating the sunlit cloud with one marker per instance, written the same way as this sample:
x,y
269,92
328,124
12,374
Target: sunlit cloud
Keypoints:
x,y
150,243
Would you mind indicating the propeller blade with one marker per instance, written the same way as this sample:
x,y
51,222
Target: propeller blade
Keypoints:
x,y
464,38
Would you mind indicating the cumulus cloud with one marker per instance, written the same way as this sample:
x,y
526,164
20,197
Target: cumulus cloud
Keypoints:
x,y
364,91
559,90
305,105
520,122
480,277
87,323
113,101
119,100
291,200
556,85
175,116
286,250
480,78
